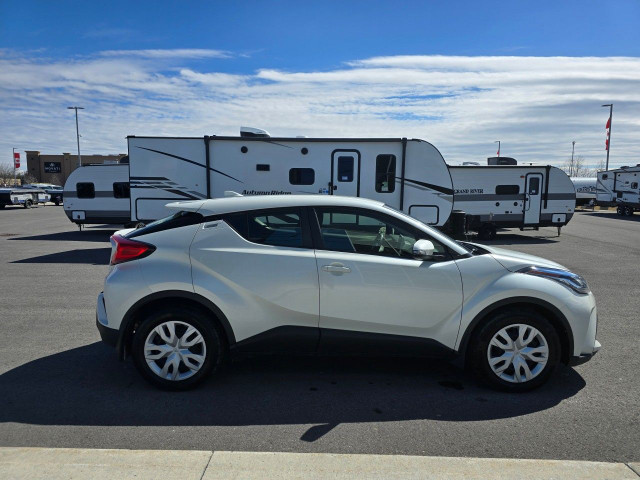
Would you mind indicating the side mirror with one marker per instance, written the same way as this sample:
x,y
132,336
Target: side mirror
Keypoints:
x,y
423,249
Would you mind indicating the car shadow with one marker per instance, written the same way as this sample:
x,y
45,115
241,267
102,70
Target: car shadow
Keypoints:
x,y
73,236
88,386
632,218
515,239
89,256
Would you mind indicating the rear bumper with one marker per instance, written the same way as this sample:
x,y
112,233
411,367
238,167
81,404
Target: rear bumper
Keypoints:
x,y
584,358
108,335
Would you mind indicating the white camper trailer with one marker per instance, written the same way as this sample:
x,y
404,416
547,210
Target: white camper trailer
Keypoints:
x,y
508,196
98,193
25,196
620,188
585,189
407,174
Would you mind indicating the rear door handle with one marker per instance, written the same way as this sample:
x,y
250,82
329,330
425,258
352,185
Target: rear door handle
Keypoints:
x,y
336,268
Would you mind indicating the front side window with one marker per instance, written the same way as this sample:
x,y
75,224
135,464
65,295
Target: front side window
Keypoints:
x,y
86,190
385,173
302,176
507,189
121,190
279,228
345,169
368,232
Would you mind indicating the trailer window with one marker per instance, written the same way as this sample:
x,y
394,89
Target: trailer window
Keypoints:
x,y
634,185
345,169
605,176
121,190
507,189
302,176
86,190
385,173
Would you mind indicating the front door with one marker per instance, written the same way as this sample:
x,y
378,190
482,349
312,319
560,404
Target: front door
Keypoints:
x,y
532,199
345,173
372,287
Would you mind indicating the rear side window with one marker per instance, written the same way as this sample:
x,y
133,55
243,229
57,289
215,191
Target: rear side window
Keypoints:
x,y
385,173
302,176
345,169
278,228
86,190
121,190
180,219
507,189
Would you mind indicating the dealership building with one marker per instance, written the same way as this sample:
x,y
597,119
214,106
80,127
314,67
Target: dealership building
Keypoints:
x,y
57,168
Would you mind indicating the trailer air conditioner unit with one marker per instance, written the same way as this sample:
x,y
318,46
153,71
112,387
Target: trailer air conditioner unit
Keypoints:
x,y
253,132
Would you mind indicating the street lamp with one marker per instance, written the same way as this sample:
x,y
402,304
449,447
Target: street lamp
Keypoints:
x,y
610,122
77,132
573,148
498,142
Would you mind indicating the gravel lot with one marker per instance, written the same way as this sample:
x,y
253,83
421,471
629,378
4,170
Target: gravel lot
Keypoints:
x,y
62,388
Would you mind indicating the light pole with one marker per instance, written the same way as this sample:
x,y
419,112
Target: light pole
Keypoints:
x,y
77,132
610,122
498,142
573,147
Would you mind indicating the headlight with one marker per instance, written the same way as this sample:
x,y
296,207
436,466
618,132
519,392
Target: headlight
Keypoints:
x,y
572,280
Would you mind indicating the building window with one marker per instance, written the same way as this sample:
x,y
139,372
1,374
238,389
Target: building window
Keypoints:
x,y
345,169
86,190
121,190
302,176
507,189
385,173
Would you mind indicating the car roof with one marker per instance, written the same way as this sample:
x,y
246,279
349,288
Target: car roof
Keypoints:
x,y
256,202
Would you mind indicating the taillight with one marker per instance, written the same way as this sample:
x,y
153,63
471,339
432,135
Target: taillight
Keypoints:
x,y
127,250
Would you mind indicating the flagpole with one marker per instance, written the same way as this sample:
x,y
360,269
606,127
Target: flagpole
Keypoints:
x,y
498,142
14,167
610,105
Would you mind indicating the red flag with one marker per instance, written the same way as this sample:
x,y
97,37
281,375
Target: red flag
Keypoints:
x,y
608,124
606,144
16,156
498,152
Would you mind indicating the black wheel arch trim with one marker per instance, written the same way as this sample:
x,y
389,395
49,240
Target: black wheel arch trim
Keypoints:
x,y
129,317
566,356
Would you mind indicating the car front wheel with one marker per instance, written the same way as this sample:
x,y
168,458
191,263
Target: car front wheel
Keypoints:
x,y
515,351
178,348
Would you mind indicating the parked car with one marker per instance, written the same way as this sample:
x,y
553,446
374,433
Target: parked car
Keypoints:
x,y
327,274
55,191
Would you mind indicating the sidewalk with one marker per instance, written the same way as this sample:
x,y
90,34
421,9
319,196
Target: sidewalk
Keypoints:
x,y
69,463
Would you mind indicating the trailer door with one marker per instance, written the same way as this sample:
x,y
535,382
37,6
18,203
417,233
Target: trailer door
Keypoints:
x,y
533,198
345,173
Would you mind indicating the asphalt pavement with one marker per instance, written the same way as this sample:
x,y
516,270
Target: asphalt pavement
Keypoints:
x,y
62,388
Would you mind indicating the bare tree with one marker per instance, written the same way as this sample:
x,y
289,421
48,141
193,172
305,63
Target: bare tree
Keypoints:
x,y
598,168
575,167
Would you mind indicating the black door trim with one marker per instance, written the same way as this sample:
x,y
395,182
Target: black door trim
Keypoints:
x,y
333,156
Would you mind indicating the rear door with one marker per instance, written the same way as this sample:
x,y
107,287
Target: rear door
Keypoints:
x,y
533,198
259,268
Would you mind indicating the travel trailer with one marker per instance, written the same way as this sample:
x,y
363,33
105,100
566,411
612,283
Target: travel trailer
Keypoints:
x,y
585,189
98,194
407,174
509,196
619,188
25,196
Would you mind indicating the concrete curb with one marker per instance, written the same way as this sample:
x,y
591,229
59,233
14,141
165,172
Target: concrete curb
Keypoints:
x,y
69,463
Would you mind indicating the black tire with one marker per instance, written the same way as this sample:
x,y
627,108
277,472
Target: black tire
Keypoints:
x,y
28,204
628,211
2,205
57,201
487,232
212,336
620,210
478,349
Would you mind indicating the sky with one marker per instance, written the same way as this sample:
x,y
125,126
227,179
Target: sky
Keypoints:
x,y
459,74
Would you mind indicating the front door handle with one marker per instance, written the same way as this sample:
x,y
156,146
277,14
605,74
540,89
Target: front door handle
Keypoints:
x,y
336,268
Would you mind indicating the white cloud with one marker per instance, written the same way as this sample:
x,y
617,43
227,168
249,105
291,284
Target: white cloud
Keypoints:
x,y
535,105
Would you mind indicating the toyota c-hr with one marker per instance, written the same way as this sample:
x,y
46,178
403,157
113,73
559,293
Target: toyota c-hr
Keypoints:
x,y
308,274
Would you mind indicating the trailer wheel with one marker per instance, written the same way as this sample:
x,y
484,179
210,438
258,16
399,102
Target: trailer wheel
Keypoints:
x,y
1,205
487,232
620,210
28,204
57,201
628,211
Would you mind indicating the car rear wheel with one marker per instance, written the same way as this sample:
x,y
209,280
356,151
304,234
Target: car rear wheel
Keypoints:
x,y
515,351
178,348
28,204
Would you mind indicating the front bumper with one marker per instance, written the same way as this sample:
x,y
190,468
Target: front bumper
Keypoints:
x,y
584,358
108,335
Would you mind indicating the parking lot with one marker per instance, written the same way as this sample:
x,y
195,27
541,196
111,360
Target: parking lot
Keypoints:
x,y
62,388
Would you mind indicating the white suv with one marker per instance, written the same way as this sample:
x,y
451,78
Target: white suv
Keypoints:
x,y
325,274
